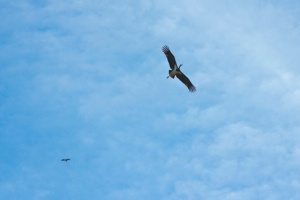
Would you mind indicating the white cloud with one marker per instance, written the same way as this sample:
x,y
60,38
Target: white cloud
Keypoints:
x,y
240,162
90,76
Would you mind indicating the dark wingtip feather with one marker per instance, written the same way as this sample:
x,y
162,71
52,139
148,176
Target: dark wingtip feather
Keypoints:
x,y
165,48
192,88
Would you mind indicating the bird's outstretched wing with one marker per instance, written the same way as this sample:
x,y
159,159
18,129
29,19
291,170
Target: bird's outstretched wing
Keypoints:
x,y
183,78
170,56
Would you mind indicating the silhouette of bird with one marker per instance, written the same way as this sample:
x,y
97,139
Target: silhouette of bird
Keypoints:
x,y
175,70
65,159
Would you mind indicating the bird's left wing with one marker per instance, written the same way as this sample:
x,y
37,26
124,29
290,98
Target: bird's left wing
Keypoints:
x,y
183,78
170,56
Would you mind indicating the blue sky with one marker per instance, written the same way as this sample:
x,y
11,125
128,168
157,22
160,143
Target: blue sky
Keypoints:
x,y
87,80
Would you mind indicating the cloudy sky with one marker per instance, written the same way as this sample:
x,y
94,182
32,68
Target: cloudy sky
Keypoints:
x,y
86,80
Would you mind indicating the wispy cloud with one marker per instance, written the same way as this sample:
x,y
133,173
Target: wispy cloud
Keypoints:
x,y
87,80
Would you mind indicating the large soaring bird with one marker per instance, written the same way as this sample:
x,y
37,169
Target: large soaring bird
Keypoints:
x,y
65,159
175,70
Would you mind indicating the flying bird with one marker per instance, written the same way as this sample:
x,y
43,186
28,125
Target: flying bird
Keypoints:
x,y
175,70
65,159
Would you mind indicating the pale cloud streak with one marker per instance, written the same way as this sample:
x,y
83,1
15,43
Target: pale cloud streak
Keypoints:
x,y
87,79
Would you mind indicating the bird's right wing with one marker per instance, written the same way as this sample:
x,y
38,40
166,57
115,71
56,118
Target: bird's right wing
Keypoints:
x,y
170,56
183,78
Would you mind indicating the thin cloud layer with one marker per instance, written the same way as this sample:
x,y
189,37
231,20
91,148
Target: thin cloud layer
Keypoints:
x,y
87,80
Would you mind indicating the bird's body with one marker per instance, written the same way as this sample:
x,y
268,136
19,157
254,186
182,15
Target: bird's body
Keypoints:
x,y
65,159
175,70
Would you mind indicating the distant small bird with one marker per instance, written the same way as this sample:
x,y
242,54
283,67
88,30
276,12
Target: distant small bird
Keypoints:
x,y
175,70
65,159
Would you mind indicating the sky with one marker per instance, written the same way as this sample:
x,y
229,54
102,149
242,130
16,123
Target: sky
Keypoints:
x,y
86,80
